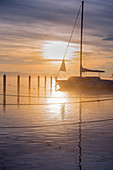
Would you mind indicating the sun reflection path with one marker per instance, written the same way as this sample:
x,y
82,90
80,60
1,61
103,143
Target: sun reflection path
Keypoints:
x,y
61,97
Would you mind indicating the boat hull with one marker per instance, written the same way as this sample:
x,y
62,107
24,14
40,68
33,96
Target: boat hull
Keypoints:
x,y
94,83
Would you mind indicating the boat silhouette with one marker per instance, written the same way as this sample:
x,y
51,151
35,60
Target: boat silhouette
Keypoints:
x,y
80,82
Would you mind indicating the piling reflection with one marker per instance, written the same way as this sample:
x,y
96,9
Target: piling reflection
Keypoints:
x,y
4,102
18,97
38,92
45,92
29,94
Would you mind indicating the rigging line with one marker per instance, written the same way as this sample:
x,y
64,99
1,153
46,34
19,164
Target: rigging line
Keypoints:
x,y
70,36
66,124
72,31
36,104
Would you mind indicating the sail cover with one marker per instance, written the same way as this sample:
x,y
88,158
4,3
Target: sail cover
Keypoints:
x,y
63,67
89,70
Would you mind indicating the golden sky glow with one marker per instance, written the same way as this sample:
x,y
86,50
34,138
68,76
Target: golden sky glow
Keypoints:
x,y
56,49
34,36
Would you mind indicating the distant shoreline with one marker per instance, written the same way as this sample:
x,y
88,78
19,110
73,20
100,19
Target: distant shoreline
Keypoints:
x,y
25,74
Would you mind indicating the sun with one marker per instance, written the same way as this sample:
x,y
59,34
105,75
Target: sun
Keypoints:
x,y
56,49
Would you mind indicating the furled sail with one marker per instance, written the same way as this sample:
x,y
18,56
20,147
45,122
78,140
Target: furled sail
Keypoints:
x,y
89,70
63,66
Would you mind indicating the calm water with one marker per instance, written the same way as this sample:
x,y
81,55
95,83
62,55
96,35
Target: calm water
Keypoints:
x,y
54,130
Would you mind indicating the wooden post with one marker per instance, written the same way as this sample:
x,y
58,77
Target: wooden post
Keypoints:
x,y
45,81
29,88
18,88
4,92
4,84
38,85
18,83
51,81
55,83
29,82
38,82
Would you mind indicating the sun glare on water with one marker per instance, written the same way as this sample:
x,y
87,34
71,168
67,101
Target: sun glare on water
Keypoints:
x,y
55,50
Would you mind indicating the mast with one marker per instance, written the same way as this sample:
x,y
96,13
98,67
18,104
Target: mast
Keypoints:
x,y
81,38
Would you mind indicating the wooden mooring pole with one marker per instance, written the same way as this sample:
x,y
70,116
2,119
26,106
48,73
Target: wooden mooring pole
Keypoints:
x,y
55,83
29,83
45,81
51,81
18,84
18,88
4,84
4,92
38,82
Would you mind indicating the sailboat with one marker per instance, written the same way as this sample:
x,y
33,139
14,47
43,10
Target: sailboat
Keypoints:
x,y
80,82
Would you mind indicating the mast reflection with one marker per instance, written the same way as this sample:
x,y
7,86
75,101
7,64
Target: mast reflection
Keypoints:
x,y
63,111
80,137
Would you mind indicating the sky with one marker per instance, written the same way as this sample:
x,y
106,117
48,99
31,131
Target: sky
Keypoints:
x,y
34,35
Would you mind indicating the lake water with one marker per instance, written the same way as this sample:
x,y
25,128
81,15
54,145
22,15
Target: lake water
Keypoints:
x,y
51,130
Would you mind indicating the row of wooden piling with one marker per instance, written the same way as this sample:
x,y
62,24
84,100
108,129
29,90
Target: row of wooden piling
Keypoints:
x,y
29,83
29,87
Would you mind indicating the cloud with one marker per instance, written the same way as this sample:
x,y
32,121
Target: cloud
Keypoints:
x,y
26,25
5,59
38,10
111,57
109,38
41,19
